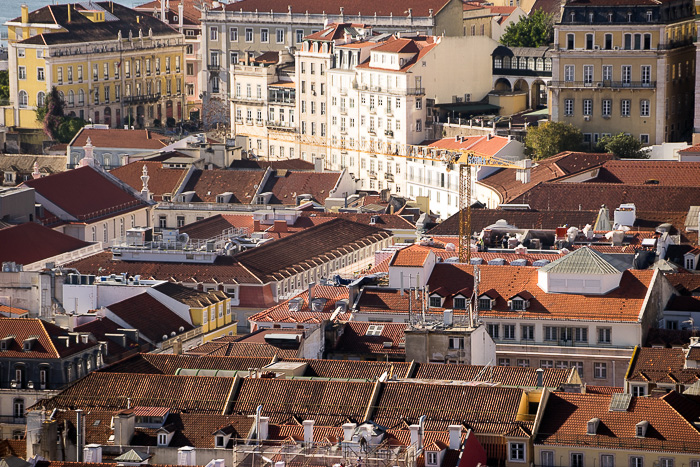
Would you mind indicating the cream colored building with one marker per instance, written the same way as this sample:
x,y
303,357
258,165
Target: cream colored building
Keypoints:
x,y
625,68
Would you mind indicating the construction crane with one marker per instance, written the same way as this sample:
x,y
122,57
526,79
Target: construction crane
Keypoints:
x,y
463,159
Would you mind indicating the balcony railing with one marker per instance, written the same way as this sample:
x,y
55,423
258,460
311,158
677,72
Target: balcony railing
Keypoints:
x,y
397,91
286,126
142,99
214,67
604,84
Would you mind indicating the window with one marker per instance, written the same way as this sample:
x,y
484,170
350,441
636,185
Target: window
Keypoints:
x,y
517,452
588,74
581,334
527,332
626,74
419,103
509,331
568,107
576,459
604,336
458,303
550,333
299,35
607,107
249,34
636,461
546,364
523,362
279,36
493,330
607,460
214,33
419,125
589,41
600,370
233,34
40,74
569,71
485,303
455,343
547,458
625,105
23,99
40,98
436,301
628,41
264,35
608,42
646,74
570,41
374,330
587,106
432,458
607,72
162,439
644,138
666,462
18,408
504,362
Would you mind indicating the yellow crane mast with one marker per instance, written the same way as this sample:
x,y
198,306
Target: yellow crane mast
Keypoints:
x,y
463,159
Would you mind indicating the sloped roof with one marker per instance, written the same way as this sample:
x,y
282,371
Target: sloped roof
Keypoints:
x,y
168,364
119,138
215,225
505,375
385,221
662,365
419,46
190,296
584,261
98,196
281,312
287,164
24,163
153,319
486,145
191,11
286,187
355,340
207,184
47,344
667,173
365,7
30,242
162,179
566,417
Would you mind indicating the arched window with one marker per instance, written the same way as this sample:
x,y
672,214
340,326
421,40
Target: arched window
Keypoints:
x,y
497,61
23,99
81,97
506,62
106,160
71,97
40,98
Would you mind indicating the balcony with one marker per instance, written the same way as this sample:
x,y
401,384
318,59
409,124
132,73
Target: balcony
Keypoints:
x,y
604,84
389,133
215,67
281,126
142,99
389,177
343,111
247,100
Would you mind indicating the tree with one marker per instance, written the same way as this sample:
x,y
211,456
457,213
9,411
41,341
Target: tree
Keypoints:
x,y
534,30
623,146
51,113
4,85
68,128
551,138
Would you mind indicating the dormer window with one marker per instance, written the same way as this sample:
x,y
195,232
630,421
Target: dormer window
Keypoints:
x,y
486,302
28,343
435,301
592,428
459,303
641,429
518,304
220,441
162,439
431,458
5,343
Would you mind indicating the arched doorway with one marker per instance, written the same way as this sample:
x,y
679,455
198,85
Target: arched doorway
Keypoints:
x,y
522,86
502,85
538,94
108,116
140,112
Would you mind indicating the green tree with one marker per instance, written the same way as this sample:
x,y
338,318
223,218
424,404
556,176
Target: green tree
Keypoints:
x,y
551,138
534,30
68,128
623,146
4,85
51,113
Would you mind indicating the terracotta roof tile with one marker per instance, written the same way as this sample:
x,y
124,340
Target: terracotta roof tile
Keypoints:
x,y
353,369
414,256
355,340
30,242
215,225
667,173
153,319
685,283
505,375
207,184
13,311
662,365
385,221
287,164
243,349
162,179
47,344
605,390
98,196
286,187
566,417
116,138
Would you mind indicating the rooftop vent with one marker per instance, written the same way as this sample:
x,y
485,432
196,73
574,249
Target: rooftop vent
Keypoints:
x,y
592,427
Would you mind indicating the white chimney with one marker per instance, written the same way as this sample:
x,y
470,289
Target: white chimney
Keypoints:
x,y
186,456
180,14
92,453
264,428
416,436
455,436
124,424
348,431
308,431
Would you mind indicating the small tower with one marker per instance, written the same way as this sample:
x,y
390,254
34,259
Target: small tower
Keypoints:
x,y
145,194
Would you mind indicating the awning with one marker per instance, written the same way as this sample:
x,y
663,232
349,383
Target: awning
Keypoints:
x,y
468,109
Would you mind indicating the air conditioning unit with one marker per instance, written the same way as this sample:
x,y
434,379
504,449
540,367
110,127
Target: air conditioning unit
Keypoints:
x,y
586,118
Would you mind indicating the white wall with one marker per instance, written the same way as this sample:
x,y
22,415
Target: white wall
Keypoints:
x,y
80,299
483,348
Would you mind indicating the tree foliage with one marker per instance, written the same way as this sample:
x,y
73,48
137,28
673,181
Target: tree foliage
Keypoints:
x,y
56,125
551,138
623,146
534,30
4,85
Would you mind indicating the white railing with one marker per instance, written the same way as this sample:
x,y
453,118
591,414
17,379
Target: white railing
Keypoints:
x,y
302,18
64,258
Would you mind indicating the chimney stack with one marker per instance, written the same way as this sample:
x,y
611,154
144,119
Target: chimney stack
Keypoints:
x,y
308,431
256,225
264,428
348,431
416,436
540,377
455,436
25,14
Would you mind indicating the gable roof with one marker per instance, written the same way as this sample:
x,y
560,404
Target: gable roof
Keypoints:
x,y
98,196
119,138
566,415
191,9
355,340
207,184
161,179
661,365
153,319
282,313
667,173
47,344
285,187
505,375
215,225
585,261
30,242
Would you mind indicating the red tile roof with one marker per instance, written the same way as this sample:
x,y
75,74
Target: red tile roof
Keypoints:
x,y
685,283
162,179
684,303
661,365
98,196
194,394
115,138
246,346
566,163
505,375
487,145
566,416
419,46
286,187
169,364
668,173
413,256
13,311
355,340
354,369
207,184
287,164
30,242
215,225
153,319
364,7
47,344
192,14
590,389
385,221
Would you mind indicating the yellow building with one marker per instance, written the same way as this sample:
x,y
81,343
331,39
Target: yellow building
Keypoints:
x,y
625,67
112,65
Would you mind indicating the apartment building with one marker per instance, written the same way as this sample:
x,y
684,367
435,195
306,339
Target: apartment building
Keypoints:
x,y
252,27
185,16
263,110
625,67
111,65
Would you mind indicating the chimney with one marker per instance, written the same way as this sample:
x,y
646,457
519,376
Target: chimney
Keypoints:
x,y
186,456
455,436
79,435
348,431
318,164
25,14
92,453
69,8
256,225
311,294
540,377
264,428
124,423
280,226
524,174
163,18
35,173
308,431
180,13
353,292
416,436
